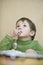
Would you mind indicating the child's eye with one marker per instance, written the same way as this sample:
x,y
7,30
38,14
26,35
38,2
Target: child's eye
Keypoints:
x,y
18,26
24,25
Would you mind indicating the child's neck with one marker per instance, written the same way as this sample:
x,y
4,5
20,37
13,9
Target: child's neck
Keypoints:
x,y
25,38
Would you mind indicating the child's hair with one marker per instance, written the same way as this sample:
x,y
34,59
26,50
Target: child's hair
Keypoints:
x,y
31,24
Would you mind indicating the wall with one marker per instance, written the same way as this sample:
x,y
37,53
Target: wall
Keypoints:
x,y
0,18
12,10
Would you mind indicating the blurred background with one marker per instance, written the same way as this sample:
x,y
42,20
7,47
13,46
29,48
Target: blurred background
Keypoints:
x,y
12,10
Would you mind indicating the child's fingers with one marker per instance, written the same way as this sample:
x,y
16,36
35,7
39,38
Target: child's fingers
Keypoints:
x,y
19,33
13,33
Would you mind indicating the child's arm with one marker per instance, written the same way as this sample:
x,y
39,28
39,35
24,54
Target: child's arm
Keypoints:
x,y
39,49
6,43
35,48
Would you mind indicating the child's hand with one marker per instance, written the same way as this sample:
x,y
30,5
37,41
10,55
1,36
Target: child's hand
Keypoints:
x,y
31,52
15,33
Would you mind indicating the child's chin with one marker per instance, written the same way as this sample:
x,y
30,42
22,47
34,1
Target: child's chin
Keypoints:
x,y
21,35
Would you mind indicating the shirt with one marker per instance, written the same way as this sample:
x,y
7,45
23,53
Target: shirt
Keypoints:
x,y
7,43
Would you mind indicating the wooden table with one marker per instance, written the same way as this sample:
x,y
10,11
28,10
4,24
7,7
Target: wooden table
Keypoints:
x,y
20,61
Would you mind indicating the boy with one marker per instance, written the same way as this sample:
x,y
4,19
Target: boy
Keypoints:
x,y
23,36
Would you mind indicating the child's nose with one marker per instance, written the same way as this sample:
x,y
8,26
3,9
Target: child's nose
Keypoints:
x,y
19,28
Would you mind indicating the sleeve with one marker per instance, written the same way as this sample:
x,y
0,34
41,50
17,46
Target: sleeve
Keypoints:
x,y
6,43
39,48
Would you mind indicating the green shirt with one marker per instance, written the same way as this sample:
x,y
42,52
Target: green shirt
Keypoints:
x,y
8,42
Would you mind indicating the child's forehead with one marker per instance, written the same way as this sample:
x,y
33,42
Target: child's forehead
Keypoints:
x,y
22,22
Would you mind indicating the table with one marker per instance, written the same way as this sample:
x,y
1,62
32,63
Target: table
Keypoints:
x,y
20,61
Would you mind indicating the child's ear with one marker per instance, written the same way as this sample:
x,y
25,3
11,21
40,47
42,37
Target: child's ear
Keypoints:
x,y
32,33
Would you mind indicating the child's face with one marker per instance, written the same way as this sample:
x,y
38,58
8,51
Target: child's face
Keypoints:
x,y
24,28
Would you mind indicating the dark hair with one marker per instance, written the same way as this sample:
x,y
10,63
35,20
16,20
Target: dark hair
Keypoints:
x,y
31,24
